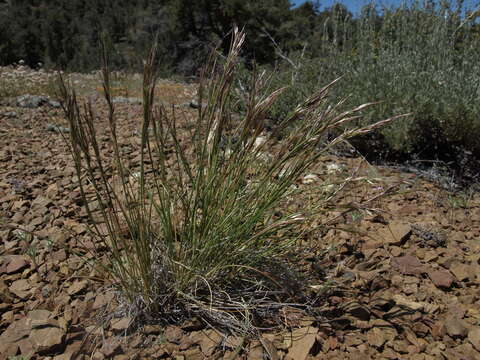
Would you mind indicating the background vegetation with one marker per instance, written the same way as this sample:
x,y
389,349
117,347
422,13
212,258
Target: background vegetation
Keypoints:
x,y
419,58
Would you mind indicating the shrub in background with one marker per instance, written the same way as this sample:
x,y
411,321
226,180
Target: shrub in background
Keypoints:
x,y
415,60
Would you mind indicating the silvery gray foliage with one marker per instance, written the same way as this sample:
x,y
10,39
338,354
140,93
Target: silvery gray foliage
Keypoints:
x,y
35,101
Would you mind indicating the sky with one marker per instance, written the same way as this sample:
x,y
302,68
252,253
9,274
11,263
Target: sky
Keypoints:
x,y
355,5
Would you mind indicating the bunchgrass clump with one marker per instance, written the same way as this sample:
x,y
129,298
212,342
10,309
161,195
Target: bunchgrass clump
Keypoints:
x,y
194,228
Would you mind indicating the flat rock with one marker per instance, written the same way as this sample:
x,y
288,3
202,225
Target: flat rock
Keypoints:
x,y
152,329
403,301
102,300
303,340
54,104
121,324
456,328
474,337
110,347
70,352
408,264
174,334
77,287
47,337
16,331
10,114
16,264
441,278
255,351
395,233
126,100
21,288
376,337
36,333
31,101
8,350
461,271
46,333
40,316
192,354
438,330
97,355
6,296
208,341
27,348
57,128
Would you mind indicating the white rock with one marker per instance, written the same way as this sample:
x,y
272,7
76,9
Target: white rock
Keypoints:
x,y
259,141
265,157
328,189
310,179
333,168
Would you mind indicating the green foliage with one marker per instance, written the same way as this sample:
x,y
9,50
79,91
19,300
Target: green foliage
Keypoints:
x,y
414,60
65,33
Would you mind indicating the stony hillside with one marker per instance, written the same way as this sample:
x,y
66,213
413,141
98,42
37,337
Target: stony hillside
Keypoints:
x,y
394,266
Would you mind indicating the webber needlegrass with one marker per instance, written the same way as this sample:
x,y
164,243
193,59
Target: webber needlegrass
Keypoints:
x,y
193,229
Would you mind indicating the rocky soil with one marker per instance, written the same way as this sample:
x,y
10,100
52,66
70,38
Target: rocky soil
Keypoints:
x,y
396,270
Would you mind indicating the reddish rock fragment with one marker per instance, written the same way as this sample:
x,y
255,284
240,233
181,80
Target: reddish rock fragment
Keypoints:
x,y
70,352
77,287
208,341
16,264
6,296
21,288
152,329
47,338
461,271
110,347
173,334
474,337
102,300
408,264
456,328
121,324
396,233
375,337
441,278
46,333
303,340
8,350
256,351
15,332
